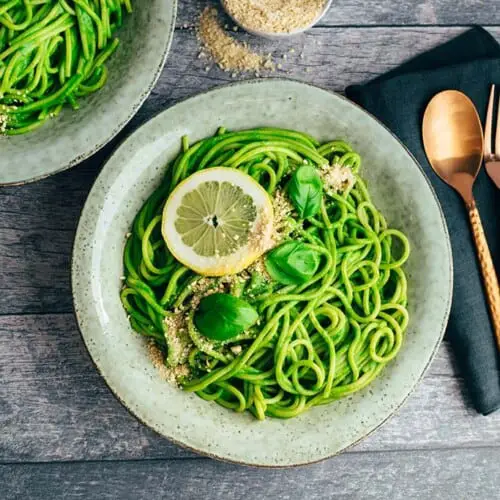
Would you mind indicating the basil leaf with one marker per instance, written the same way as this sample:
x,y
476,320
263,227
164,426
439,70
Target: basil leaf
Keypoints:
x,y
222,316
306,191
292,263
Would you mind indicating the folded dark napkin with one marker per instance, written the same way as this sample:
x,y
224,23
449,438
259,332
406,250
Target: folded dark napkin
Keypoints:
x,y
469,63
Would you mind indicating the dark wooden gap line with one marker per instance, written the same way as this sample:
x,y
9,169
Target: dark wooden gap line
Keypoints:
x,y
369,27
352,451
400,26
69,312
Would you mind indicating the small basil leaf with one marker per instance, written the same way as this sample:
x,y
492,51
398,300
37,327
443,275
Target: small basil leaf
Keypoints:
x,y
306,191
292,263
222,316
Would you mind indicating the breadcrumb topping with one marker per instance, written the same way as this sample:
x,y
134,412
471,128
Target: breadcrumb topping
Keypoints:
x,y
173,375
179,342
3,123
228,53
337,178
276,16
261,238
282,216
259,267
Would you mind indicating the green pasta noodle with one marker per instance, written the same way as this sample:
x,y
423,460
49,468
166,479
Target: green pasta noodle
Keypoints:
x,y
316,341
52,52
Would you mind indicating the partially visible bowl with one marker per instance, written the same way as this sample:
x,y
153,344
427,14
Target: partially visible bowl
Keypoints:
x,y
272,35
73,136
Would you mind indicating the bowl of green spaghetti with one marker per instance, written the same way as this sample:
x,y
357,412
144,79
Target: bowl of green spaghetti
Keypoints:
x,y
265,284
72,74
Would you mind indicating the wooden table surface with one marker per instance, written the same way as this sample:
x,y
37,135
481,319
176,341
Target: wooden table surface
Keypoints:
x,y
64,435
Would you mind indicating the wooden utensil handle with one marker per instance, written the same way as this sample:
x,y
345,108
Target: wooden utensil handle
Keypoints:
x,y
488,270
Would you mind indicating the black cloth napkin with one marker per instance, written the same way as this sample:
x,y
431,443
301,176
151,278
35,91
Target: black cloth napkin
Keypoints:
x,y
470,63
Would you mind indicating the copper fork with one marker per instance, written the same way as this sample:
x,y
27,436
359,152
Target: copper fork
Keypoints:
x,y
492,157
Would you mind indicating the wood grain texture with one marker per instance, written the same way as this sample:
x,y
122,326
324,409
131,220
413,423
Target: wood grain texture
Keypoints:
x,y
384,12
37,222
332,58
54,405
443,474
37,227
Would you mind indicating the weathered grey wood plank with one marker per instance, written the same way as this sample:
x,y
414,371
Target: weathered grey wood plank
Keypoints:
x,y
331,57
37,222
384,12
37,226
446,474
55,406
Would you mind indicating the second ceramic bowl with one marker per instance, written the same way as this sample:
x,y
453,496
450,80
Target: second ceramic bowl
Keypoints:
x,y
73,136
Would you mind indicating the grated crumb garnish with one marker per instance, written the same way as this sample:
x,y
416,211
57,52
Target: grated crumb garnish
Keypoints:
x,y
275,16
3,123
175,374
259,267
282,212
179,341
236,349
228,53
261,237
337,178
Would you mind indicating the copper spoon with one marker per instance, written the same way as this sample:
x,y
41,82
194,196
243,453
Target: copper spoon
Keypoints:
x,y
453,141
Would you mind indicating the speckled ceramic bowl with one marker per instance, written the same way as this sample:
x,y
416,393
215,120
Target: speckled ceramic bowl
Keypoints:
x,y
73,136
399,188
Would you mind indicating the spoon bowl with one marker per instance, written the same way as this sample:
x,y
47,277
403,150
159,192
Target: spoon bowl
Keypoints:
x,y
453,140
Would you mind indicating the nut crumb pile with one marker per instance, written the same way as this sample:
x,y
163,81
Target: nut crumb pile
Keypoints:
x,y
275,16
229,54
337,178
282,217
171,374
3,123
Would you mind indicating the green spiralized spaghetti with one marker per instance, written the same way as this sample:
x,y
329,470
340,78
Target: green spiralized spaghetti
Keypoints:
x,y
53,52
316,342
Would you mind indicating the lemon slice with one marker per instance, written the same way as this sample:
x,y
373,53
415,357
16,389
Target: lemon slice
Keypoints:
x,y
218,221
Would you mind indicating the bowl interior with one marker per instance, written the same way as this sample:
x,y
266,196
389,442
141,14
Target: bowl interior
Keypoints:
x,y
399,189
73,136
276,36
